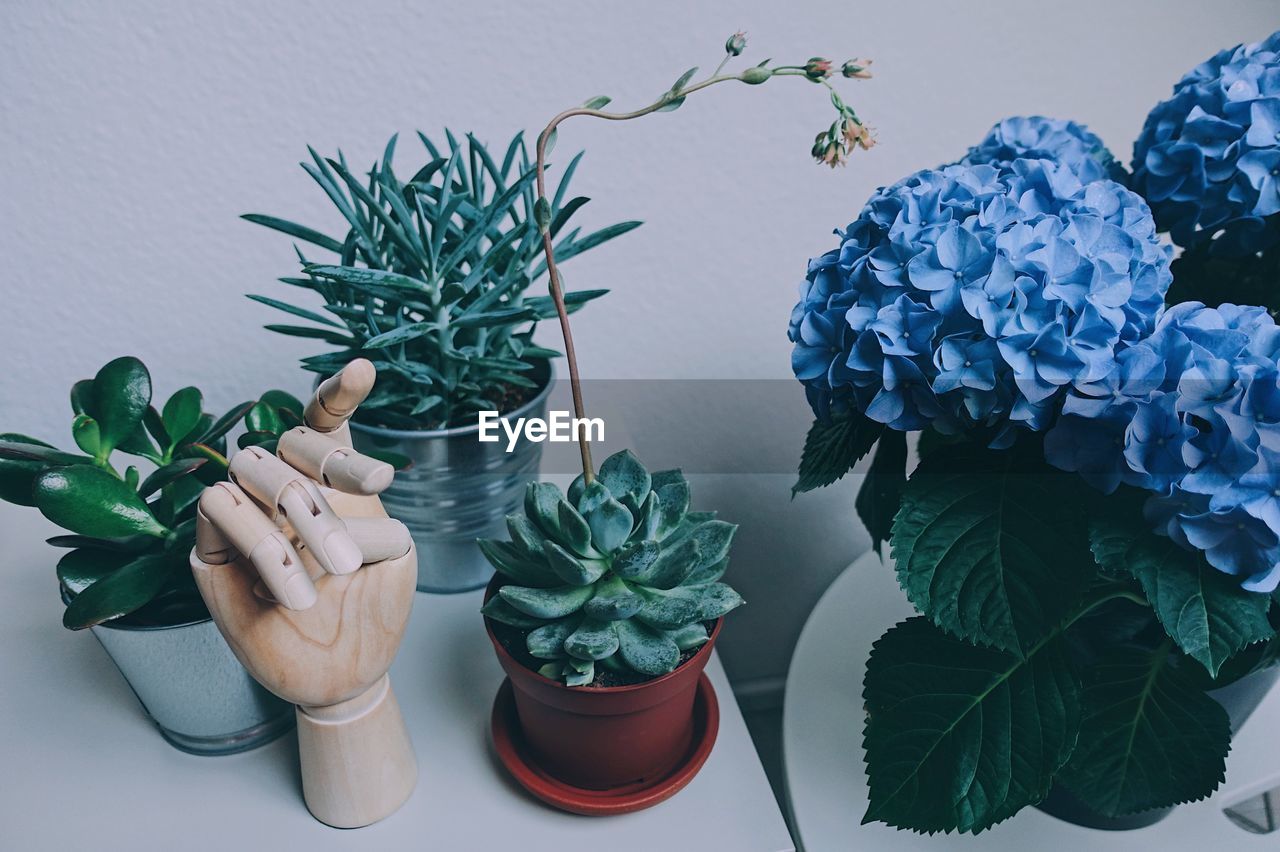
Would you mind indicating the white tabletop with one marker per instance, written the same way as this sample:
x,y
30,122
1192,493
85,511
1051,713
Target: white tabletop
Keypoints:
x,y
84,769
822,745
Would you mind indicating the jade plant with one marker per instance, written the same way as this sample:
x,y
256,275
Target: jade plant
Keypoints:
x,y
618,574
429,280
130,534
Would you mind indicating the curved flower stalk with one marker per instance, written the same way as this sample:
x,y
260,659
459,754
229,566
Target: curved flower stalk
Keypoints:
x,y
1192,415
975,296
1208,158
1035,137
832,147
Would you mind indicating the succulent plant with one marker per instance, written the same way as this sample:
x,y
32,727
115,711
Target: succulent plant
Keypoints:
x,y
131,534
429,280
618,573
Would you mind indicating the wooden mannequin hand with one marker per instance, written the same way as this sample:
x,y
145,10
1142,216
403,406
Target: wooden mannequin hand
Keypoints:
x,y
312,584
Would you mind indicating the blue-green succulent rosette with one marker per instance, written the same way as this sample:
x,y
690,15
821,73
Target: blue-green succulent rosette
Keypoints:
x,y
1036,137
975,296
1208,158
1192,415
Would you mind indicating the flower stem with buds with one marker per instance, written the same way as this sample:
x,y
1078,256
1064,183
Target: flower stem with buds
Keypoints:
x,y
832,147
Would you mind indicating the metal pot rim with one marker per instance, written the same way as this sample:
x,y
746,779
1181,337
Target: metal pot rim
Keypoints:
x,y
456,431
67,597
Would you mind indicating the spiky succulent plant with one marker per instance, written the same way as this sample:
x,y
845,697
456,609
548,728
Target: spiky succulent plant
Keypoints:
x,y
618,573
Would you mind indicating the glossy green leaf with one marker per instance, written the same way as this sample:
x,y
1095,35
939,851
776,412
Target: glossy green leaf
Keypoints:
x,y
833,447
1150,738
121,592
959,737
1202,609
82,396
263,417
991,545
225,423
182,413
84,430
78,569
282,401
120,396
18,474
162,476
90,501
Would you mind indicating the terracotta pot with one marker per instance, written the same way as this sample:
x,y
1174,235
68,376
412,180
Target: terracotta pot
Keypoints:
x,y
601,738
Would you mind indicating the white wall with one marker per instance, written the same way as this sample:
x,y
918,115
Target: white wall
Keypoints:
x,y
132,134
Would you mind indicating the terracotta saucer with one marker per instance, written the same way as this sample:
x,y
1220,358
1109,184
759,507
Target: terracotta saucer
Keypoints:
x,y
508,741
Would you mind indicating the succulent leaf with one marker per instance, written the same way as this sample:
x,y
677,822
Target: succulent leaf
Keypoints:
x,y
614,600
646,650
547,642
546,603
623,474
618,575
593,640
572,569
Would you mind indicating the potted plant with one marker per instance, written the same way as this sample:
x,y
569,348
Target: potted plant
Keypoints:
x,y
429,284
607,599
1090,535
126,574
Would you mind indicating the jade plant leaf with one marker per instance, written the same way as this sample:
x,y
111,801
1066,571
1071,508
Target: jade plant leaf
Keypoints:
x,y
121,592
86,434
959,737
182,413
992,546
646,650
168,474
833,447
1150,736
80,568
881,492
1202,609
90,501
120,395
546,603
18,474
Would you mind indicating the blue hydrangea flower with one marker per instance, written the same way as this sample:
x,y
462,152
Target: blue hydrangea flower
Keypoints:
x,y
1192,414
1208,158
1034,137
977,295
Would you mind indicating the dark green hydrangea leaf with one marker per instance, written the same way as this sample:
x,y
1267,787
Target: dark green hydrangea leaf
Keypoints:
x,y
547,642
623,474
832,447
960,737
646,650
880,496
89,501
1202,609
573,569
593,640
1150,737
546,603
991,545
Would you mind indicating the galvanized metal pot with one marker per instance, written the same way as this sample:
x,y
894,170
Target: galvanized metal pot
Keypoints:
x,y
193,687
457,490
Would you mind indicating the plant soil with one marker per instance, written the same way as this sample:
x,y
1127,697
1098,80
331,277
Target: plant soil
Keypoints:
x,y
513,640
